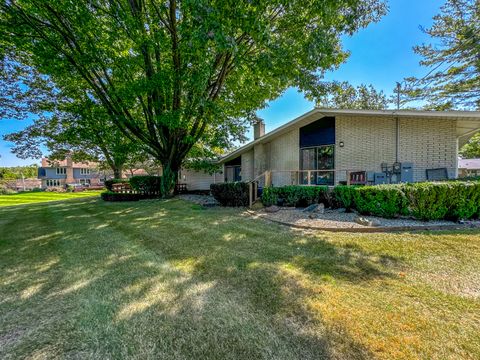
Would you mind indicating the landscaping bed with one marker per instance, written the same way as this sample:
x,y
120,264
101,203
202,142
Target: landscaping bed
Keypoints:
x,y
339,220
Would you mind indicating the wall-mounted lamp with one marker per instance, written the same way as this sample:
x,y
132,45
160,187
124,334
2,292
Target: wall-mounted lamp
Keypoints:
x,y
341,144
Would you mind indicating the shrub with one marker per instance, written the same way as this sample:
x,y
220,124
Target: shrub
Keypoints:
x,y
6,191
444,200
345,196
295,195
146,184
109,183
381,200
113,196
231,194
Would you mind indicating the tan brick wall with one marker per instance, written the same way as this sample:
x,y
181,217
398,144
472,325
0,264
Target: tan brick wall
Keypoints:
x,y
247,166
368,142
429,144
285,155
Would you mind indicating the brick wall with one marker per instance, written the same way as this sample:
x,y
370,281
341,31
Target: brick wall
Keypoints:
x,y
247,166
369,141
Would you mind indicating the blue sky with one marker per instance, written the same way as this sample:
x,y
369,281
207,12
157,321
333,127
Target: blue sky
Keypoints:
x,y
380,55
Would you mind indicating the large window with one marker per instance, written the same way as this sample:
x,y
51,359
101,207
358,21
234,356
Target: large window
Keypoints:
x,y
84,171
53,182
61,171
320,160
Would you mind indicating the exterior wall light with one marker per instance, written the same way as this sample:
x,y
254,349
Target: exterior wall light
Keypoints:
x,y
341,144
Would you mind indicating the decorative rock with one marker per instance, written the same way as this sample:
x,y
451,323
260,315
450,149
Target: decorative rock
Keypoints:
x,y
366,222
310,209
320,208
272,209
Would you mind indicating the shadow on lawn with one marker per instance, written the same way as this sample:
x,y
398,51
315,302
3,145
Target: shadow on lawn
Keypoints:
x,y
153,279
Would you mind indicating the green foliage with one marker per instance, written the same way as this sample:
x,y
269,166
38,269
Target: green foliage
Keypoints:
x,y
453,79
269,196
295,195
109,183
181,73
345,196
342,95
146,184
113,196
231,194
16,172
451,200
382,200
6,191
471,150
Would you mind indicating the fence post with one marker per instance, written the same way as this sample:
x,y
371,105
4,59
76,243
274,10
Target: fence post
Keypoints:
x,y
348,177
268,178
250,194
308,176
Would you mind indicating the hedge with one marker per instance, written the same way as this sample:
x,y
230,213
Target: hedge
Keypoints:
x,y
425,201
109,183
113,196
295,195
146,184
231,194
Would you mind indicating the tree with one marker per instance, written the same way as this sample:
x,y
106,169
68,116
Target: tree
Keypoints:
x,y
454,77
342,95
67,123
176,73
471,150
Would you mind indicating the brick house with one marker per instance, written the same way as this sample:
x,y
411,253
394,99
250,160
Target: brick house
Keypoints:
x,y
326,146
60,173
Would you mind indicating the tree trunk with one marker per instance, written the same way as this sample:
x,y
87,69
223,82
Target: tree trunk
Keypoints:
x,y
117,172
169,178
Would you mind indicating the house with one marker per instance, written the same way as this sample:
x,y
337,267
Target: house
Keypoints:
x,y
328,147
468,167
64,172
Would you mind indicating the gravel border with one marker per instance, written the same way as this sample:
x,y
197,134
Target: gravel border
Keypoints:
x,y
335,221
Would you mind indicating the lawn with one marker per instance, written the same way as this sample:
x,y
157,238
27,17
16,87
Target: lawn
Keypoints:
x,y
170,280
29,197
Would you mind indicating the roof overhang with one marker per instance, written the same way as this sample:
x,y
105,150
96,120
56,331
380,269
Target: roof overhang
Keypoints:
x,y
468,123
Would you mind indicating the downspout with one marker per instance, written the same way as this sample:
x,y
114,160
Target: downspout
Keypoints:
x,y
397,138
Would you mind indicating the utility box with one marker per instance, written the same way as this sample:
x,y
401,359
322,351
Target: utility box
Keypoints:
x,y
370,177
380,178
406,172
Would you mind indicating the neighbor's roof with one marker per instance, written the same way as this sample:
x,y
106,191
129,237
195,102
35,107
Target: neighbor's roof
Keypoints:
x,y
468,123
469,164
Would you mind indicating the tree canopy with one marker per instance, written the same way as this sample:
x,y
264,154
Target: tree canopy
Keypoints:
x,y
174,73
471,150
453,80
342,95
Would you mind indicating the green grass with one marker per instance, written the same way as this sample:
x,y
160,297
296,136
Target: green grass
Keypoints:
x,y
170,280
29,197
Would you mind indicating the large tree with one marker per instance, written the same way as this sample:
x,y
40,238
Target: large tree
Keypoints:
x,y
452,59
172,73
343,95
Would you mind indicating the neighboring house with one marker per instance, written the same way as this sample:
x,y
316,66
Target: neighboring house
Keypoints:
x,y
64,172
333,146
468,167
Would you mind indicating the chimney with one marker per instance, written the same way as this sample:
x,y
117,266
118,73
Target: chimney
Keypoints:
x,y
258,129
69,179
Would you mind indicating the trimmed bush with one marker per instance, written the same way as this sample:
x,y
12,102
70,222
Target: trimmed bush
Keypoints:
x,y
146,184
295,195
231,194
113,196
381,200
109,183
444,200
345,196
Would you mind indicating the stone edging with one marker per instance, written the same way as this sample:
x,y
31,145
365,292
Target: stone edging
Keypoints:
x,y
370,229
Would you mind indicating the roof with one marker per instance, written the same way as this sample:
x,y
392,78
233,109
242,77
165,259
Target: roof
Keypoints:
x,y
469,164
468,122
64,163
